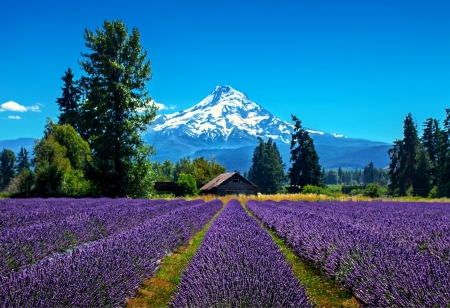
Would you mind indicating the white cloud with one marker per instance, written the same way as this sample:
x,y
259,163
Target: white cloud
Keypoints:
x,y
13,106
164,107
14,117
159,106
34,108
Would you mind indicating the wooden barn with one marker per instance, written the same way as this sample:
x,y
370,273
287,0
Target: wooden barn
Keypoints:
x,y
229,184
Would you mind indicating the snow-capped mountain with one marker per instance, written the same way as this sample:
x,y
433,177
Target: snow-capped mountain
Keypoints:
x,y
226,115
226,124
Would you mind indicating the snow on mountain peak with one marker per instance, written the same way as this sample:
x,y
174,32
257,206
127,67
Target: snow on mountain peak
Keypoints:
x,y
223,114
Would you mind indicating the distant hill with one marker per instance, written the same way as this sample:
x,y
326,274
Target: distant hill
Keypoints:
x,y
16,144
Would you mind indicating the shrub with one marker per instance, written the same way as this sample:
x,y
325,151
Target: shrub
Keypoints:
x,y
187,182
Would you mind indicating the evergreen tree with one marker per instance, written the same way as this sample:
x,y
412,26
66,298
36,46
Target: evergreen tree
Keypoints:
x,y
7,161
341,175
23,161
404,154
267,167
332,177
443,173
117,107
423,178
68,103
369,174
305,161
395,169
432,140
410,150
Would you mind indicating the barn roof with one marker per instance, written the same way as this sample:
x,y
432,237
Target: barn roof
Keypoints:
x,y
222,178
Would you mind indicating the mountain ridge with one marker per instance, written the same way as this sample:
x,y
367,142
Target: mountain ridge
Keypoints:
x,y
228,120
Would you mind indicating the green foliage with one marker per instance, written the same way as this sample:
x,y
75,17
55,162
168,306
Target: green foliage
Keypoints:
x,y
372,190
418,165
68,103
317,190
164,171
305,161
59,172
142,174
23,161
200,169
434,193
7,161
403,157
116,109
267,168
187,182
26,182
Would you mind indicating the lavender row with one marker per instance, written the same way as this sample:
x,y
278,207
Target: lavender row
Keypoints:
x,y
104,273
238,265
28,245
379,271
425,227
16,213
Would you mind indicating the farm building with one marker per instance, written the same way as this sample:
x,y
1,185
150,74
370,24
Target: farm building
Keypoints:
x,y
229,183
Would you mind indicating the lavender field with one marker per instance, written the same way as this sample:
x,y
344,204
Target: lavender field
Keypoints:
x,y
97,252
389,254
89,252
239,265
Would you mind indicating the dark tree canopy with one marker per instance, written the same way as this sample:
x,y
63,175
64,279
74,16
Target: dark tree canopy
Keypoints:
x,y
68,102
117,107
305,161
267,167
23,161
7,161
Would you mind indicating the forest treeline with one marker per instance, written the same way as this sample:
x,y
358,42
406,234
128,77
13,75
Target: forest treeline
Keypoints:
x,y
420,165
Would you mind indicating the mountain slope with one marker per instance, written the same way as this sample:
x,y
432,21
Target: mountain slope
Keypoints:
x,y
226,124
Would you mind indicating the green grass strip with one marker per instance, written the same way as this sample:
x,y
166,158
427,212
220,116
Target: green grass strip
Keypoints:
x,y
321,289
158,290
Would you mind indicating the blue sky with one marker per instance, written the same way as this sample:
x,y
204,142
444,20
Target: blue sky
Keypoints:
x,y
350,67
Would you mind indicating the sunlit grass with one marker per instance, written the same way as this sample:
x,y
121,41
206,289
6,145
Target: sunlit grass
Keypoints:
x,y
322,290
158,290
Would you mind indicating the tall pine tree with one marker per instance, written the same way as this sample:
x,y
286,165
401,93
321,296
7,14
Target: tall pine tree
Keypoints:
x,y
117,108
305,161
68,102
23,161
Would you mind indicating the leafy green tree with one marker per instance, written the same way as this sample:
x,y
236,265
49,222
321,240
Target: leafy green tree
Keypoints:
x,y
52,167
305,161
267,167
372,190
69,101
164,171
61,158
117,107
23,161
187,182
26,182
7,161
201,169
